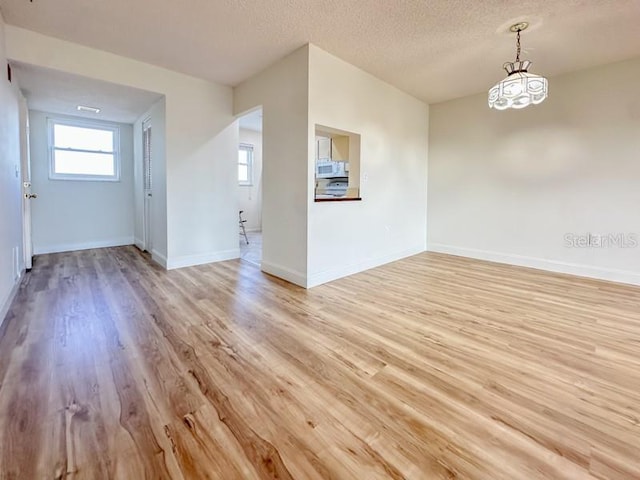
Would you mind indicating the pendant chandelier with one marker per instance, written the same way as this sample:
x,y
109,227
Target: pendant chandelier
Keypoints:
x,y
521,88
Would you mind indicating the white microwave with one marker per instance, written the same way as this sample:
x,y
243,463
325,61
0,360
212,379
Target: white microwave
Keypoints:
x,y
330,169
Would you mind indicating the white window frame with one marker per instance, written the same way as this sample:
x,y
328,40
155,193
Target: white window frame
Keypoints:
x,y
249,148
82,123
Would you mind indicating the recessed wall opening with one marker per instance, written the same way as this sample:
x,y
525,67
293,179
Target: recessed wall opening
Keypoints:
x,y
337,165
82,167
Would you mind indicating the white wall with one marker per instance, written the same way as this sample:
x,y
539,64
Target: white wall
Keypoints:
x,y
508,186
201,138
156,114
10,185
250,196
202,177
76,215
282,91
390,221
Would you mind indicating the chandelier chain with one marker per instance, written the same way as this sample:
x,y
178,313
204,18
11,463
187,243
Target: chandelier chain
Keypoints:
x,y
518,47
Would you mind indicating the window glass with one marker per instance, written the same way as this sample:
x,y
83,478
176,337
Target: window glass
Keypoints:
x,y
243,173
83,163
245,165
80,138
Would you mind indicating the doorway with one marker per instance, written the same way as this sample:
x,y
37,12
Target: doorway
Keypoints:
x,y
250,186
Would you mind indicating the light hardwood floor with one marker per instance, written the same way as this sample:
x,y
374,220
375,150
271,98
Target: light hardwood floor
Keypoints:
x,y
434,367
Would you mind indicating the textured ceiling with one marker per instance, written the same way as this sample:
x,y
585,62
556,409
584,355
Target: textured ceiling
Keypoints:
x,y
57,92
435,50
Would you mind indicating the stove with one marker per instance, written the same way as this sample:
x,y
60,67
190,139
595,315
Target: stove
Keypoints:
x,y
335,187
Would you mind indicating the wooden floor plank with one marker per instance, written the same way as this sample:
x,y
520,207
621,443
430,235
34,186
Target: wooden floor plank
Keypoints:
x,y
433,367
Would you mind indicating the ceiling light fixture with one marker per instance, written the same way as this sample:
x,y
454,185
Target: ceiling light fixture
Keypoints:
x,y
83,108
521,88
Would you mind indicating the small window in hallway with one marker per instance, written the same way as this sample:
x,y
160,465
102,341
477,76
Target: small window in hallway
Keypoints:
x,y
245,165
80,150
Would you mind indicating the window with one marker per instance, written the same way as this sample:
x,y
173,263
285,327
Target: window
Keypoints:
x,y
245,165
80,150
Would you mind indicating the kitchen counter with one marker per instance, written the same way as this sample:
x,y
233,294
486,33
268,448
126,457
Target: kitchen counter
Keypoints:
x,y
331,198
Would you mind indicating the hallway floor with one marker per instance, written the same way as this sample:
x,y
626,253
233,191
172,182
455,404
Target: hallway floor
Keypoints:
x,y
251,253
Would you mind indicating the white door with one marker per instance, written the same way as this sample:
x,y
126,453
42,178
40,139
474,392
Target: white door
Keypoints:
x,y
27,194
146,173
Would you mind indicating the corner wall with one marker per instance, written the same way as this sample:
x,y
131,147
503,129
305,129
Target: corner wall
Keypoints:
x,y
11,251
391,220
525,186
283,92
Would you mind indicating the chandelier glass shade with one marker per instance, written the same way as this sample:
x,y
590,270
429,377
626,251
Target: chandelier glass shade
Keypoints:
x,y
521,88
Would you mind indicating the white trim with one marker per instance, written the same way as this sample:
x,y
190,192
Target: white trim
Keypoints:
x,y
599,273
202,258
284,273
4,306
159,258
71,247
139,243
331,274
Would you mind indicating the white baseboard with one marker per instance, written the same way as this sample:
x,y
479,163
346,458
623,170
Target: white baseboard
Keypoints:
x,y
287,274
6,302
71,247
346,270
201,259
612,275
159,258
309,281
253,229
138,243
